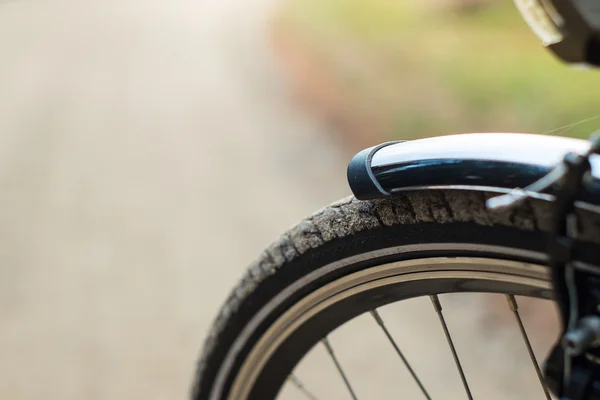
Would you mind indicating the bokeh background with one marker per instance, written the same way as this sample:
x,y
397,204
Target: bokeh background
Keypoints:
x,y
390,69
150,150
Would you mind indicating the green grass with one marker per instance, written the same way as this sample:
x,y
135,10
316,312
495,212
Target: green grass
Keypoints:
x,y
428,71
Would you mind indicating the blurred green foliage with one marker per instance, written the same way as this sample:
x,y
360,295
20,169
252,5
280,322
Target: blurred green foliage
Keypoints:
x,y
425,69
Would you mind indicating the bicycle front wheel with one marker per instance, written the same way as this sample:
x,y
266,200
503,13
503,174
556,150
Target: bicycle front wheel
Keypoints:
x,y
356,256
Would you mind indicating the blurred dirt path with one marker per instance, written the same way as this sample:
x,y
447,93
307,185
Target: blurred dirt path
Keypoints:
x,y
148,151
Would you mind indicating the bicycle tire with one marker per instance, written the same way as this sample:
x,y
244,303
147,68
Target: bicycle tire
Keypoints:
x,y
359,235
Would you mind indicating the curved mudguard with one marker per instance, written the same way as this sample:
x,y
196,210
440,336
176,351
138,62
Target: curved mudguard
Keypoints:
x,y
498,161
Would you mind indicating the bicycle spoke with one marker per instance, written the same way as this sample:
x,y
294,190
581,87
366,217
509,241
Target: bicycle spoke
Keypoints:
x,y
512,303
339,367
438,309
379,320
298,383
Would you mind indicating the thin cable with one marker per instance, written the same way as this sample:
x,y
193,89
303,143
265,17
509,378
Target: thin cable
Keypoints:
x,y
568,126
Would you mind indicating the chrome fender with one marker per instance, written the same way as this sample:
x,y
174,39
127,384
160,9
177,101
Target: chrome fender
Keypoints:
x,y
493,161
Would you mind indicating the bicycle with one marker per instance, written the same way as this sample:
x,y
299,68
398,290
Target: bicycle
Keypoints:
x,y
515,214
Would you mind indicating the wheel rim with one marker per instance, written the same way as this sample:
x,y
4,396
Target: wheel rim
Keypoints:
x,y
414,277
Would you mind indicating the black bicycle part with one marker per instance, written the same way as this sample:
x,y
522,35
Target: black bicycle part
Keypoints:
x,y
569,28
581,31
573,368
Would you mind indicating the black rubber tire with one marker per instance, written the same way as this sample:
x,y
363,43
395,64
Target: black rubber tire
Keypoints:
x,y
351,227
